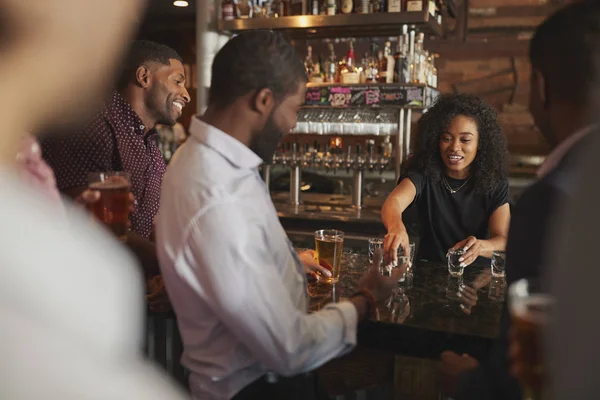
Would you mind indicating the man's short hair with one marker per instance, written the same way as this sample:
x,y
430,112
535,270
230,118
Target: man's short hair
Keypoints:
x,y
253,61
145,51
566,50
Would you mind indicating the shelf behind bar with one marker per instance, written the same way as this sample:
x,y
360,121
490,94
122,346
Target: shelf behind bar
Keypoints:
x,y
341,25
371,95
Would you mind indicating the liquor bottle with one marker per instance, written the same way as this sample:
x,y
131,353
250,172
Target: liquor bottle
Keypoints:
x,y
308,61
244,9
331,7
420,60
228,10
315,7
394,6
414,5
331,66
389,64
364,6
372,72
377,6
280,8
349,73
347,6
316,76
382,67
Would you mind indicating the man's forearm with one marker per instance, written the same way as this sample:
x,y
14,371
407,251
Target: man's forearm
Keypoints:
x,y
145,252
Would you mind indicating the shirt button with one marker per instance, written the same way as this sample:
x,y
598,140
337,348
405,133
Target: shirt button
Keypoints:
x,y
142,127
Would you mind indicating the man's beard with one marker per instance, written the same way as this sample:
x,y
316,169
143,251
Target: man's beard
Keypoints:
x,y
265,142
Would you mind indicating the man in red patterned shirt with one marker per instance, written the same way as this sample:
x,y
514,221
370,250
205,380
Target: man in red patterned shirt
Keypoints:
x,y
122,137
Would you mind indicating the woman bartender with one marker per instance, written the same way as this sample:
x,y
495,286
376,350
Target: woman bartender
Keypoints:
x,y
457,179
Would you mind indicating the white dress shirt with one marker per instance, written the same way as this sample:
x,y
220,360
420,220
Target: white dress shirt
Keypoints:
x,y
71,306
233,277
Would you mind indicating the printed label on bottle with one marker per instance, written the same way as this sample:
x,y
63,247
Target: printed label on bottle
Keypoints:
x,y
346,6
228,12
394,6
330,7
414,5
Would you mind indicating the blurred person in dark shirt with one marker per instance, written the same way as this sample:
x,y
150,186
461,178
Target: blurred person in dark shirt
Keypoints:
x,y
564,53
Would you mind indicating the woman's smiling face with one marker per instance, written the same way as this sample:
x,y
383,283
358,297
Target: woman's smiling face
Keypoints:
x,y
458,146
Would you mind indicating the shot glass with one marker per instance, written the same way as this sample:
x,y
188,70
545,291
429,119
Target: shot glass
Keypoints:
x,y
498,260
454,266
375,251
386,270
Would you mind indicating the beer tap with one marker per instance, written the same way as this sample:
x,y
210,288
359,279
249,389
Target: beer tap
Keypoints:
x,y
306,157
349,160
359,165
295,175
371,160
315,159
383,160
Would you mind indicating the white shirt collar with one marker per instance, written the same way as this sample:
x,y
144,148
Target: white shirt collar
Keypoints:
x,y
229,147
556,156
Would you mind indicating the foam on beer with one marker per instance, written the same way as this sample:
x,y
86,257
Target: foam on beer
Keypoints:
x,y
533,308
108,185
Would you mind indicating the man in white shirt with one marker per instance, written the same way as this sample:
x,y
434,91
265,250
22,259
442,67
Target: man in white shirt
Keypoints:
x,y
234,279
71,300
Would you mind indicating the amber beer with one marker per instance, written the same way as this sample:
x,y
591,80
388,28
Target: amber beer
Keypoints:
x,y
113,206
329,246
530,312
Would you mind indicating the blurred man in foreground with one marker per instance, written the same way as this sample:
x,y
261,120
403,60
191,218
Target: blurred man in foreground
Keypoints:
x,y
71,300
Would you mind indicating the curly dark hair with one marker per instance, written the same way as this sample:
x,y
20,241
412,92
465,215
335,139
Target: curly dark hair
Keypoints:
x,y
490,166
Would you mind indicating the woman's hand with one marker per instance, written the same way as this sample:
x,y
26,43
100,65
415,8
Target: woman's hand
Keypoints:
x,y
311,266
472,248
395,239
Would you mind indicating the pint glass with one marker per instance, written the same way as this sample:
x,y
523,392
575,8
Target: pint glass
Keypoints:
x,y
530,309
113,206
329,245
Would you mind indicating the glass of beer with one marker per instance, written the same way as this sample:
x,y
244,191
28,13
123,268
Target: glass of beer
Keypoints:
x,y
113,206
531,310
329,244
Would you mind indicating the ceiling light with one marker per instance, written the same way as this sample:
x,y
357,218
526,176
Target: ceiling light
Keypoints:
x,y
180,3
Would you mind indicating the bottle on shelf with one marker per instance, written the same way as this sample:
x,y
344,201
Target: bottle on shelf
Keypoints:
x,y
402,62
372,62
308,61
377,6
315,7
394,6
364,6
228,10
316,76
349,73
411,55
382,67
331,7
420,62
244,9
280,8
388,64
346,6
331,71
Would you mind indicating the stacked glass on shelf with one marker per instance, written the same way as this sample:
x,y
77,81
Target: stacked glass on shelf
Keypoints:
x,y
331,156
243,9
359,121
410,63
